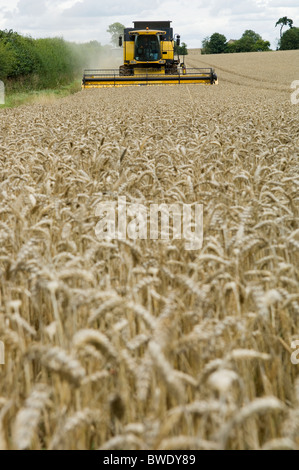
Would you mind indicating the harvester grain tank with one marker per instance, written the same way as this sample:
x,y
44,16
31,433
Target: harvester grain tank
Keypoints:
x,y
149,59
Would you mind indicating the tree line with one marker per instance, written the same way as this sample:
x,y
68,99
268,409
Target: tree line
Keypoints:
x,y
290,38
249,42
27,63
252,41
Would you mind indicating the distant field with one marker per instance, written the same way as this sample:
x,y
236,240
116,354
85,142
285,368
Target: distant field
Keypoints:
x,y
267,70
142,344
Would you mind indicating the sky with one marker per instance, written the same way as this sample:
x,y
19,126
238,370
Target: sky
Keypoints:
x,y
86,20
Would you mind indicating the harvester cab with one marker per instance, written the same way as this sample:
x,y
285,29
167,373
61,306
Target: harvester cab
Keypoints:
x,y
149,59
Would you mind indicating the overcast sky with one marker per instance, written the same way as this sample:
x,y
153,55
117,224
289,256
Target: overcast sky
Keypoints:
x,y
85,20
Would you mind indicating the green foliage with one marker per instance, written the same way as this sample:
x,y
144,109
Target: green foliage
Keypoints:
x,y
284,21
290,39
35,64
56,62
116,30
249,42
7,59
232,47
205,45
261,46
216,44
23,59
181,50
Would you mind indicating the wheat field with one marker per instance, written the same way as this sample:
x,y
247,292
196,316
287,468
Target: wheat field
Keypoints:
x,y
143,344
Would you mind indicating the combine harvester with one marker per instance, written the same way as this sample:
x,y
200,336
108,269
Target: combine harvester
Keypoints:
x,y
149,60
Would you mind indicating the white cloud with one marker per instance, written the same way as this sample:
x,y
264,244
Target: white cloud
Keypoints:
x,y
84,20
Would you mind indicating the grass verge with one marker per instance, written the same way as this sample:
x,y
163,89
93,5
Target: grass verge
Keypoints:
x,y
14,99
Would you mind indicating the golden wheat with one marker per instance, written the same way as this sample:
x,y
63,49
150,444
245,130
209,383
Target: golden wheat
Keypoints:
x,y
142,344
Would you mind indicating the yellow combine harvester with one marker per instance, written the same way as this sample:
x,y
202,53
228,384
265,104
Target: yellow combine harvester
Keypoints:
x,y
149,59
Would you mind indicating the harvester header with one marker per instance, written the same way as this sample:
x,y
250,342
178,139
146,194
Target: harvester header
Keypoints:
x,y
149,59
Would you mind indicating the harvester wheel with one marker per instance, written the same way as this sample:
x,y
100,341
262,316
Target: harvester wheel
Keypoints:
x,y
172,69
125,70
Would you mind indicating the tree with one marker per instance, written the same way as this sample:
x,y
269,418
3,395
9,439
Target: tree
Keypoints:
x,y
251,42
116,30
22,48
7,59
290,39
216,44
284,21
261,46
247,41
205,47
232,46
181,50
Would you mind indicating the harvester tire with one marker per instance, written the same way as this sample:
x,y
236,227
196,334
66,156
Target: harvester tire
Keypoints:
x,y
124,70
